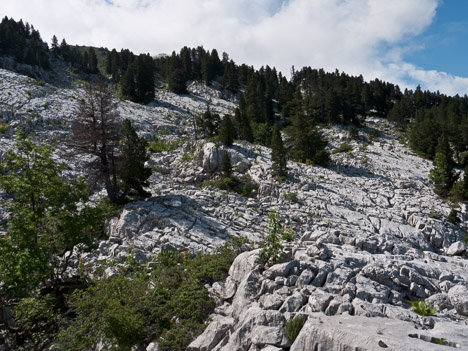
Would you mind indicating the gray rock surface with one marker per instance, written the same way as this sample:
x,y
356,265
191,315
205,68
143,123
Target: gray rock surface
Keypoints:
x,y
366,239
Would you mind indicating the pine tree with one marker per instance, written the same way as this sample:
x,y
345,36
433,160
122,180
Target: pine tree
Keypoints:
x,y
442,174
54,46
226,166
278,154
96,131
227,131
132,171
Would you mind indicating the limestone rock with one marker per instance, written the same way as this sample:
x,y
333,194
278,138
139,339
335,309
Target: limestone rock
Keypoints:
x,y
458,296
456,249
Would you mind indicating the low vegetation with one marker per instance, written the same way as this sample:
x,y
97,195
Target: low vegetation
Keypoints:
x,y
293,327
420,307
272,250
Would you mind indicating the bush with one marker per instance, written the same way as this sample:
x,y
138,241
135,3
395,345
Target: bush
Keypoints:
x,y
159,145
293,327
291,197
345,147
420,307
452,217
353,133
272,250
3,128
169,306
36,321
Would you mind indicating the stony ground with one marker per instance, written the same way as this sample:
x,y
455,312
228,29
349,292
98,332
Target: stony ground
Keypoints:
x,y
369,234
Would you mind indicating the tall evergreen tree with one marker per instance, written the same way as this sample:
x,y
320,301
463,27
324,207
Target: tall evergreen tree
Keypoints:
x,y
278,154
226,166
227,131
133,155
442,174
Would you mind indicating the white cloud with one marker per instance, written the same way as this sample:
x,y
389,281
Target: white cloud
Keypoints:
x,y
365,37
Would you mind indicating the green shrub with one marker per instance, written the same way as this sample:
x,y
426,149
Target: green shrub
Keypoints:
x,y
272,250
36,321
222,183
452,217
345,147
293,327
169,306
353,133
3,128
420,307
159,145
291,197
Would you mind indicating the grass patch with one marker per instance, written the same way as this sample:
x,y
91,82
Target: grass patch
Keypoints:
x,y
345,147
293,327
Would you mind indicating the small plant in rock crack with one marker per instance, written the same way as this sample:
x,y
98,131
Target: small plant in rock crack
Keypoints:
x,y
293,327
421,308
272,250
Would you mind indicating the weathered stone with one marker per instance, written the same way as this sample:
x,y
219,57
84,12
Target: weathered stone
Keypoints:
x,y
318,301
212,335
346,332
265,335
280,270
458,296
456,249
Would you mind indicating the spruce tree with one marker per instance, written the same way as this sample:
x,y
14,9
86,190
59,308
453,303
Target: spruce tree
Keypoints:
x,y
442,174
278,154
132,171
227,131
227,167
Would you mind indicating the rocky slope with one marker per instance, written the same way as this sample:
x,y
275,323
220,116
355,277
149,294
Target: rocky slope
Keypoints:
x,y
369,234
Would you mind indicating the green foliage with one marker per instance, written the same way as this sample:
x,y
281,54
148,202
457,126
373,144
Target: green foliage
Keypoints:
x,y
440,341
160,145
227,131
45,220
293,327
353,133
132,171
208,124
452,217
291,197
272,249
222,184
345,147
3,128
442,175
168,306
420,307
248,188
306,142
38,321
227,167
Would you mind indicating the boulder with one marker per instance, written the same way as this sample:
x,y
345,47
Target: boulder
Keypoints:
x,y
243,264
456,249
344,332
458,296
212,335
210,158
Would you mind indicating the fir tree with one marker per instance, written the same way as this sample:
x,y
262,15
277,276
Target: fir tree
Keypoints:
x,y
442,174
278,154
227,167
227,131
132,171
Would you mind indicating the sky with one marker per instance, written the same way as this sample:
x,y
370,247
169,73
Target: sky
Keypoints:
x,y
406,42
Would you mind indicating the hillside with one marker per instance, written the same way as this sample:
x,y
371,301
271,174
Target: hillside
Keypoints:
x,y
369,233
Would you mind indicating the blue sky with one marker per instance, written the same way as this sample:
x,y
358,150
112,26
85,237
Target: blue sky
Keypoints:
x,y
445,41
407,42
